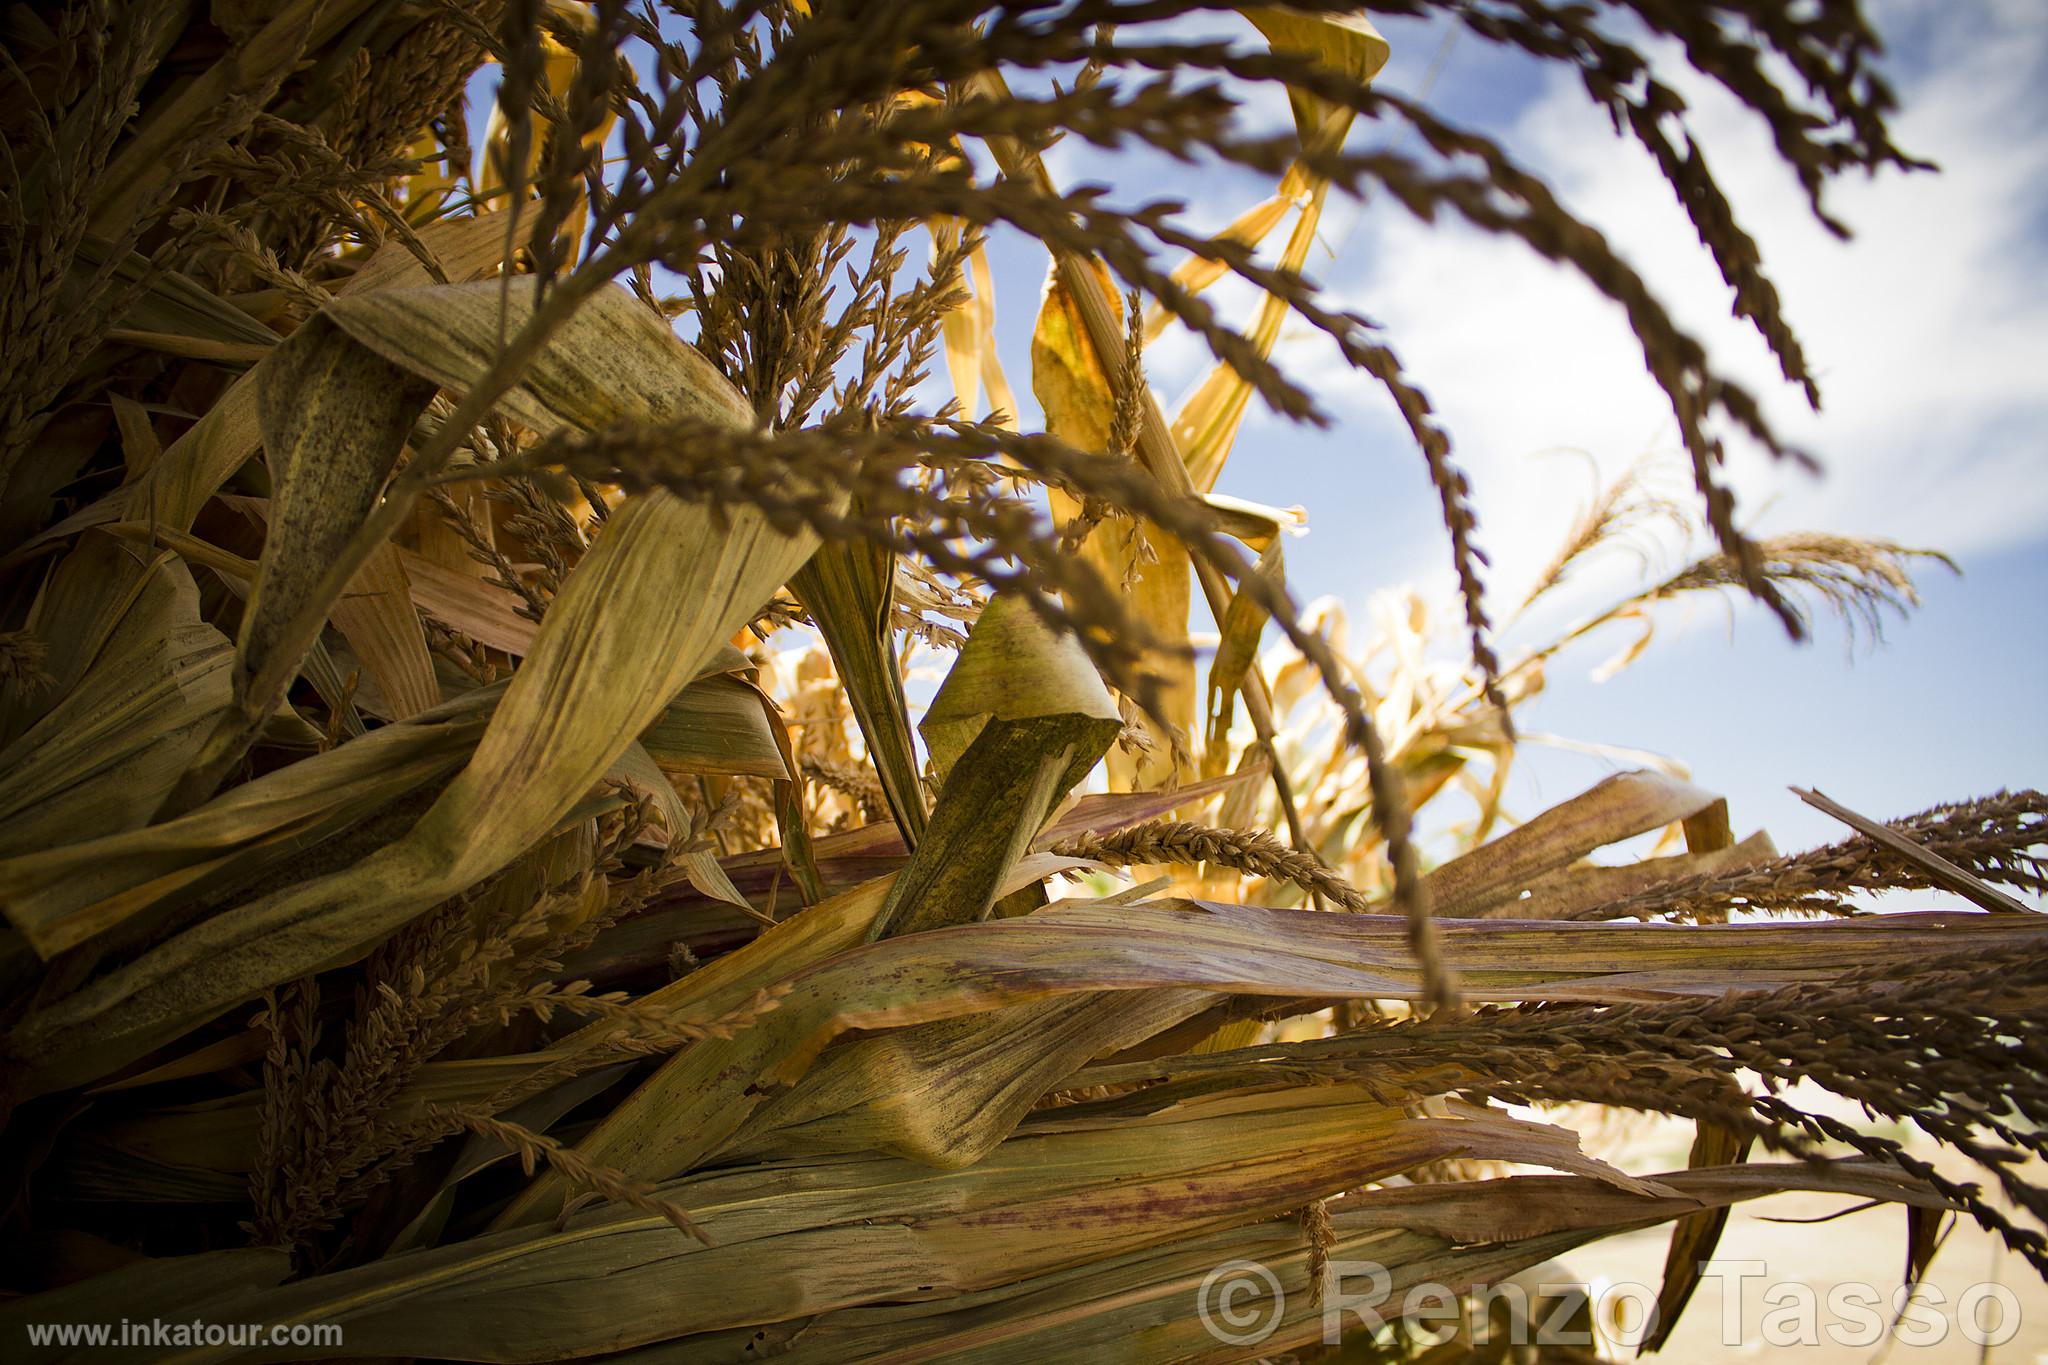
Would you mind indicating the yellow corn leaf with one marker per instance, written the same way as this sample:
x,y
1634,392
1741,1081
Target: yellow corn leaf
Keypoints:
x,y
558,72
1255,523
1206,426
1347,43
1077,395
1237,649
1249,228
1000,399
969,332
425,190
960,330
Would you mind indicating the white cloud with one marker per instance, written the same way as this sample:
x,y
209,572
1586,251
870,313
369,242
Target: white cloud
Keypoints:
x,y
1929,331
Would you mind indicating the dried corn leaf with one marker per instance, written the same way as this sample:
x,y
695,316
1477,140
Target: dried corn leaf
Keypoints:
x,y
1623,805
791,1241
1943,873
792,822
485,612
1564,894
673,1120
139,443
637,769
964,1265
946,1093
1140,1306
849,592
70,893
172,302
707,1092
1694,1238
716,725
685,575
173,489
464,248
140,678
334,418
614,360
160,1288
1022,717
232,90
377,617
699,1102
1102,812
847,859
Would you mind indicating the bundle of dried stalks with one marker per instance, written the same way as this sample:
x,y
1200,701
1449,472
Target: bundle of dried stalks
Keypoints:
x,y
465,581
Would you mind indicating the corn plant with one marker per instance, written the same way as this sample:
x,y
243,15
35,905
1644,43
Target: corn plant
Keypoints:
x,y
485,870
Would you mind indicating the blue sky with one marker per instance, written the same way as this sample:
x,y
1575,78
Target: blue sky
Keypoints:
x,y
1929,332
